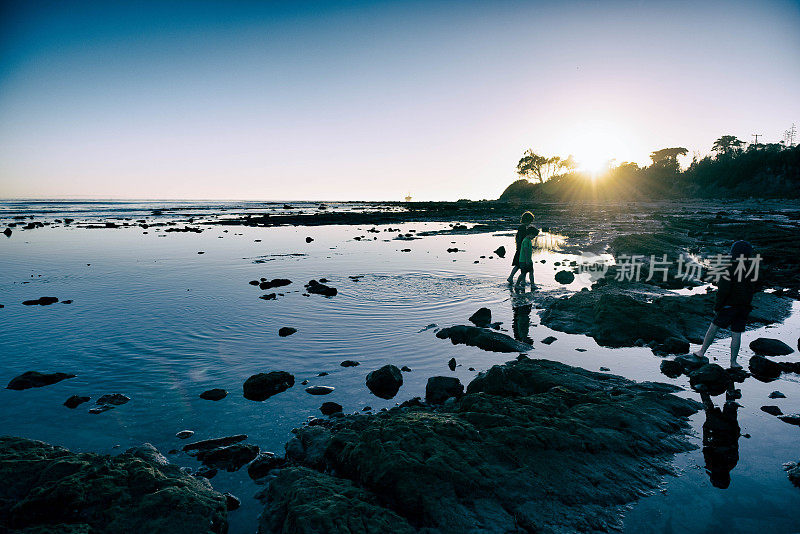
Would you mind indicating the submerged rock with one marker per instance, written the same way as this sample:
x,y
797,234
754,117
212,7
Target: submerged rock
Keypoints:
x,y
483,338
440,388
35,379
765,346
137,492
262,386
75,401
762,367
490,461
321,289
385,382
263,464
214,394
41,301
329,408
230,457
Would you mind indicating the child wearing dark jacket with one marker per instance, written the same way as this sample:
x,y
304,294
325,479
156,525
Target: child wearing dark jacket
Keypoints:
x,y
734,295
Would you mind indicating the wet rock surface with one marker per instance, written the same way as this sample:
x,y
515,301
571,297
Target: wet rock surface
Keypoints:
x,y
50,489
35,379
482,317
318,288
440,388
214,394
385,382
229,457
75,401
510,455
770,347
262,386
482,338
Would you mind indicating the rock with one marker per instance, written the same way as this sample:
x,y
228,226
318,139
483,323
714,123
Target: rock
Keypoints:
x,y
765,346
761,367
184,434
565,277
605,369
269,296
482,317
320,289
440,388
304,500
792,419
777,395
452,364
711,379
329,408
35,379
262,386
75,401
772,410
487,462
672,345
793,472
214,443
500,251
214,394
406,369
349,363
263,464
7,232
275,282
690,362
41,301
737,374
671,368
548,340
55,490
254,282
482,338
230,457
309,239
286,331
231,501
617,315
319,390
114,399
385,382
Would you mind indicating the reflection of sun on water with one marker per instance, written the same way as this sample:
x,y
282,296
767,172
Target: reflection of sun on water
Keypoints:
x,y
546,241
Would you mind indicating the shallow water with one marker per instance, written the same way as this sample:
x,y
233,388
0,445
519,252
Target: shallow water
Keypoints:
x,y
157,321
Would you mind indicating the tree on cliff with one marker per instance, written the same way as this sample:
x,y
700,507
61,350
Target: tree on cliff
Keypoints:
x,y
542,168
726,144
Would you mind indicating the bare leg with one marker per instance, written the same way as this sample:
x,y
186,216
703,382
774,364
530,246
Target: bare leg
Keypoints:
x,y
708,340
736,342
513,272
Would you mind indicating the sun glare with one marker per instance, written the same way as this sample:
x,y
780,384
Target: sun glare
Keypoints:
x,y
598,145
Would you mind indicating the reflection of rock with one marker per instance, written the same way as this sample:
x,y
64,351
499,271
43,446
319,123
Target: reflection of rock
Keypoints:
x,y
521,323
770,347
441,388
55,490
35,379
490,461
262,386
482,338
385,382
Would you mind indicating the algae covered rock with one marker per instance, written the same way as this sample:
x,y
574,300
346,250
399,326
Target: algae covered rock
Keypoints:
x,y
502,458
50,489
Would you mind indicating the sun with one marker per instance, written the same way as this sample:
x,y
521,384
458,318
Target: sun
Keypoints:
x,y
596,145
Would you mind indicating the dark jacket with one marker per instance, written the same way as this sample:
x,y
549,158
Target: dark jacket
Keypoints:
x,y
522,231
733,292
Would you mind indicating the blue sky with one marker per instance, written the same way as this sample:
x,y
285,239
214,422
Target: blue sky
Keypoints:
x,y
370,100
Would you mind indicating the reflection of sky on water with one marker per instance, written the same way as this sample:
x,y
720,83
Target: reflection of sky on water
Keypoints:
x,y
154,320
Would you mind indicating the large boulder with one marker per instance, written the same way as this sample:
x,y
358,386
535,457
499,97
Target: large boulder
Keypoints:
x,y
385,382
482,317
440,388
487,462
262,386
35,379
230,458
765,346
49,489
482,338
711,379
672,345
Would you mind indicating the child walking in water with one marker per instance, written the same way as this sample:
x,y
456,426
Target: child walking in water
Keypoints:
x,y
733,300
526,256
522,230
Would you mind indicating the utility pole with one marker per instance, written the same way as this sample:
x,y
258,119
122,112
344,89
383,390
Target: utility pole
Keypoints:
x,y
757,136
789,135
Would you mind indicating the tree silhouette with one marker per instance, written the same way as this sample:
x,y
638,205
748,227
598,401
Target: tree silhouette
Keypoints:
x,y
726,144
531,164
668,155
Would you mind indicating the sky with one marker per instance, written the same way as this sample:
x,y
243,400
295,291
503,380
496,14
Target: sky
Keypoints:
x,y
373,100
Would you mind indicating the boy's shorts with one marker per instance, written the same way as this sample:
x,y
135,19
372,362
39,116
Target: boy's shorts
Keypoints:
x,y
525,267
733,317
